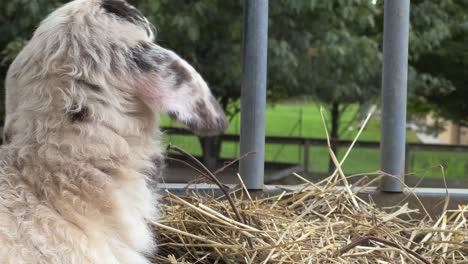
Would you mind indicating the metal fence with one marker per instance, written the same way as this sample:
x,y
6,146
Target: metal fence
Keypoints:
x,y
393,145
394,87
312,154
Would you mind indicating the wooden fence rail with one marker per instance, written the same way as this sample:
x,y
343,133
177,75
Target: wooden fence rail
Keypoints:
x,y
307,143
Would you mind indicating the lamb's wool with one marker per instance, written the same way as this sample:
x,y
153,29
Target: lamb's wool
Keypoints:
x,y
81,135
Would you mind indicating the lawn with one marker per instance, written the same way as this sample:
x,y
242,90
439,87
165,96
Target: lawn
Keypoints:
x,y
304,120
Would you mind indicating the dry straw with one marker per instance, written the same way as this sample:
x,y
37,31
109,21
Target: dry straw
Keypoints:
x,y
311,223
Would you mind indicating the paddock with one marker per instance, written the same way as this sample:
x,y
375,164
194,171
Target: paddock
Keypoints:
x,y
389,195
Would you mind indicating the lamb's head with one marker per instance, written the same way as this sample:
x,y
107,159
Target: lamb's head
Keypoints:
x,y
92,55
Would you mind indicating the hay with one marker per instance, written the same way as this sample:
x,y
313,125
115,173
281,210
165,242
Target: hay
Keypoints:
x,y
317,224
312,223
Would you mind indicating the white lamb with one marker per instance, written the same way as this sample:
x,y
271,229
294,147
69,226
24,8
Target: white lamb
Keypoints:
x,y
82,139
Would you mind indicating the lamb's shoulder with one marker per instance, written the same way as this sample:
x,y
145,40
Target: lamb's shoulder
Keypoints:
x,y
75,211
31,230
111,204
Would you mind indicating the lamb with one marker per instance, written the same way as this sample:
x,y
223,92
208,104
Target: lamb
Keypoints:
x,y
81,139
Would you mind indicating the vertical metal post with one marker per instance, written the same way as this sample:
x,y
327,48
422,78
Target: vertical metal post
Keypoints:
x,y
394,89
253,93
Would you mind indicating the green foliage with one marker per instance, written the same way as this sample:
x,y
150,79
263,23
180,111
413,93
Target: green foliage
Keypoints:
x,y
329,49
343,60
432,22
18,19
448,63
206,33
324,48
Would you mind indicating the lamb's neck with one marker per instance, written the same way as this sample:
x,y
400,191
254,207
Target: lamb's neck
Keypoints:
x,y
104,147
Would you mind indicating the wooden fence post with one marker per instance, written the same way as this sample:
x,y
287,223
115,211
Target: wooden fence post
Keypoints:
x,y
407,158
306,155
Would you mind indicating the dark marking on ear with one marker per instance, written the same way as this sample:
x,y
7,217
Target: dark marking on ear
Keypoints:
x,y
205,124
215,104
212,125
78,114
182,74
173,115
202,110
142,63
145,46
161,59
145,58
123,10
221,121
141,56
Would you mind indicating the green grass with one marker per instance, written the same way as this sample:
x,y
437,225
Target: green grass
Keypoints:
x,y
431,163
305,121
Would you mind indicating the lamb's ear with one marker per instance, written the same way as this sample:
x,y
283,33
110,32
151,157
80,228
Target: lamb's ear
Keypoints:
x,y
169,84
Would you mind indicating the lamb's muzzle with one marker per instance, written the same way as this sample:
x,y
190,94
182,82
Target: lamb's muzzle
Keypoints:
x,y
81,135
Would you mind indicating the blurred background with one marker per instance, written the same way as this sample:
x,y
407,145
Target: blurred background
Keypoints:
x,y
320,54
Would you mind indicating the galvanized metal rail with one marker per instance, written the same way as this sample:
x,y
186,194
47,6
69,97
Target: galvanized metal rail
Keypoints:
x,y
253,94
394,92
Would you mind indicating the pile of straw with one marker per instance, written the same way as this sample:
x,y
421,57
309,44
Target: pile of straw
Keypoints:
x,y
319,223
315,223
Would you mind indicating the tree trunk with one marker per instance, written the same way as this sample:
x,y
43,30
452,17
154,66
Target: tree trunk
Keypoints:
x,y
211,146
458,134
335,123
211,149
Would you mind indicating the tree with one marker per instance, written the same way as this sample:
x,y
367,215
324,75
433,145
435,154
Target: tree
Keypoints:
x,y
341,60
344,63
445,63
317,47
328,49
208,34
18,19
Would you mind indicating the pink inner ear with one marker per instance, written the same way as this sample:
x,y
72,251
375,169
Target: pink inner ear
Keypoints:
x,y
151,88
157,94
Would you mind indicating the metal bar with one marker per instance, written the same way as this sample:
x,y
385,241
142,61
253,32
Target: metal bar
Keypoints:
x,y
274,189
394,91
253,93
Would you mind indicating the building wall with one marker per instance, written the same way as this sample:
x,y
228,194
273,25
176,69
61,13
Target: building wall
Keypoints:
x,y
452,134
